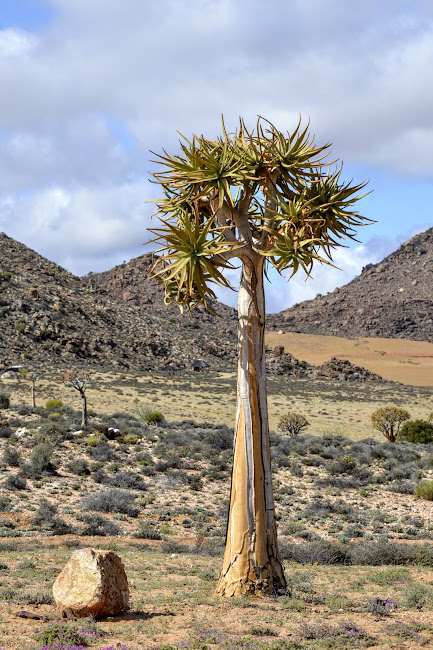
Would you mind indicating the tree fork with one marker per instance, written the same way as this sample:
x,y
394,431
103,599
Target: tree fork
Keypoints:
x,y
252,563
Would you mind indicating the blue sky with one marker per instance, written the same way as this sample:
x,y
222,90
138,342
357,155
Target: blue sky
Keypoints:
x,y
90,86
25,14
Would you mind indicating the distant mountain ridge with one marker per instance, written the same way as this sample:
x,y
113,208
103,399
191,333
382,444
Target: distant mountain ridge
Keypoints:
x,y
391,299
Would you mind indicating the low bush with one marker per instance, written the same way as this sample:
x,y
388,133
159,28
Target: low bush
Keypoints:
x,y
363,553
61,634
98,525
418,595
5,432
101,451
79,467
111,500
11,456
381,607
146,531
47,517
52,431
424,490
292,423
5,399
53,404
5,504
15,482
149,415
126,480
417,431
41,459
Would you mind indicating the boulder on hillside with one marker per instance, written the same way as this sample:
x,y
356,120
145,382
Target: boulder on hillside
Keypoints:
x,y
93,582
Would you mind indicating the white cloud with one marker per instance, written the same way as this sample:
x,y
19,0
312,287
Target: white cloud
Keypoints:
x,y
363,77
75,227
16,43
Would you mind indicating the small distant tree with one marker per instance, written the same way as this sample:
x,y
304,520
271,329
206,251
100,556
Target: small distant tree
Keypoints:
x,y
265,198
33,377
79,380
388,421
292,424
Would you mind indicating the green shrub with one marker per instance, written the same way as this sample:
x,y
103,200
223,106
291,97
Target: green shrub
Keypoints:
x,y
41,458
54,416
5,276
424,490
417,595
20,327
53,404
98,525
15,482
47,517
111,500
80,467
260,630
149,415
11,457
146,531
95,439
129,439
61,634
5,399
417,431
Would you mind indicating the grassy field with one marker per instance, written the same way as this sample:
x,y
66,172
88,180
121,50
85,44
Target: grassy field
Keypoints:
x,y
330,407
170,529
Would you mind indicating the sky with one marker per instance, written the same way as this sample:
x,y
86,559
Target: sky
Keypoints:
x,y
90,87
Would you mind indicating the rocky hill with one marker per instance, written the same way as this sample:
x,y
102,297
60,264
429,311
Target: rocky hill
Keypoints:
x,y
131,283
392,299
50,316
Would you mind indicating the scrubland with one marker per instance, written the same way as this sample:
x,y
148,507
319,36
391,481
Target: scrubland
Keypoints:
x,y
356,542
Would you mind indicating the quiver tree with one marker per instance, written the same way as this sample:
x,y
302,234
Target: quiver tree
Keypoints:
x,y
79,380
388,421
266,199
33,377
292,424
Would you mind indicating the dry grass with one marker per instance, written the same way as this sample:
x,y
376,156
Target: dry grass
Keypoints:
x,y
172,598
408,362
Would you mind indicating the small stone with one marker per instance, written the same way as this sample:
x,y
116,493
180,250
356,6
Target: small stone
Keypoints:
x,y
93,582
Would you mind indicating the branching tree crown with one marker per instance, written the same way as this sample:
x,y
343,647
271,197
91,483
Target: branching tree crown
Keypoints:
x,y
261,191
266,198
79,379
388,421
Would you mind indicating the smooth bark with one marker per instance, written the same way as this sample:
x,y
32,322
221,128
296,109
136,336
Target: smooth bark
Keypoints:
x,y
251,563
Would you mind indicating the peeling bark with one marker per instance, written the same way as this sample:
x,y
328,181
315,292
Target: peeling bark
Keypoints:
x,y
251,563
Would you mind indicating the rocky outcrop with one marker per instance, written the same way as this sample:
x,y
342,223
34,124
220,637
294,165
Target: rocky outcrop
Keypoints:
x,y
392,299
280,362
93,583
344,370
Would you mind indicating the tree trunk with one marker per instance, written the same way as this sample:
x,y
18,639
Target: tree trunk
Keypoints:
x,y
84,419
251,563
